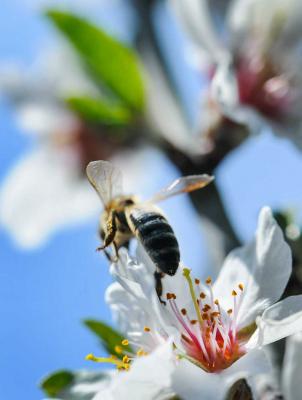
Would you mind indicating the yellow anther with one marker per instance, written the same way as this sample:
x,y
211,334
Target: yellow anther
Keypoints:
x,y
230,311
202,295
215,314
205,317
111,360
240,286
90,357
147,329
118,349
140,352
216,302
126,359
209,280
197,281
193,321
125,342
234,293
183,311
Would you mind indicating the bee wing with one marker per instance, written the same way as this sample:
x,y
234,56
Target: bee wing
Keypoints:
x,y
106,179
184,184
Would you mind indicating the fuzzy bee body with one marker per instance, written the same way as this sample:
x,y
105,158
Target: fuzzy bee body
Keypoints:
x,y
125,217
157,237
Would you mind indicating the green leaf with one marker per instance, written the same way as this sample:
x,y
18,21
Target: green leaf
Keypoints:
x,y
96,110
109,336
57,381
83,385
109,61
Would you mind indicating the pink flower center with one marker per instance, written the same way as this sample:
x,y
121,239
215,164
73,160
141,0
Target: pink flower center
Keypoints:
x,y
211,339
261,86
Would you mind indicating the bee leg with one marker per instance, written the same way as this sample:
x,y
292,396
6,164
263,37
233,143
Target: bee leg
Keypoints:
x,y
108,255
115,258
110,232
158,285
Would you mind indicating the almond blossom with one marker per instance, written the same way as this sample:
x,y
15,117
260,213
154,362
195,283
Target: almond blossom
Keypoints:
x,y
255,61
46,189
218,328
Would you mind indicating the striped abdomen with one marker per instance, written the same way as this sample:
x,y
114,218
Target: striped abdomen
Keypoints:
x,y
158,239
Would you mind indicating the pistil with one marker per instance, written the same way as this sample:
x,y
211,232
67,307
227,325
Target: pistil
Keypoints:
x,y
211,337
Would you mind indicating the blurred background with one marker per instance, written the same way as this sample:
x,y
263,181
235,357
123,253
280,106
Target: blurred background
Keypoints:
x,y
51,276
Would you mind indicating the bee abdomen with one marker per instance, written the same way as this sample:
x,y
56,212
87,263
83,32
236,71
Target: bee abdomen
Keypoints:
x,y
159,241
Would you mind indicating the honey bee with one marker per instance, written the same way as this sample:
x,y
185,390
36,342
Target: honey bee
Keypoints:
x,y
125,217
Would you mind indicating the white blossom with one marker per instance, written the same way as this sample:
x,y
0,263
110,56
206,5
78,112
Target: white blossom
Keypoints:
x,y
256,61
218,329
47,189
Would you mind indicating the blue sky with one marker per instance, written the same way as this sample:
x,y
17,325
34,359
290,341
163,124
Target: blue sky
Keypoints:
x,y
46,293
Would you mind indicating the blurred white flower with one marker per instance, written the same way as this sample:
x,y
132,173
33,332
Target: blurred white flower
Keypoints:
x,y
256,62
47,188
217,329
291,373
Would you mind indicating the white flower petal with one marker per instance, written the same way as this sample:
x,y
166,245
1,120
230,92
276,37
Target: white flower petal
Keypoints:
x,y
149,378
131,318
192,383
291,375
263,266
45,118
196,19
41,194
86,384
278,321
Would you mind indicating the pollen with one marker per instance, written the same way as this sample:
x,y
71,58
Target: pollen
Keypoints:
x,y
147,329
125,342
126,359
90,357
209,280
210,337
141,353
118,349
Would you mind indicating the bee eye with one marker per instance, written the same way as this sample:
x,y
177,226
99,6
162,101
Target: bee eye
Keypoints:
x,y
128,202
